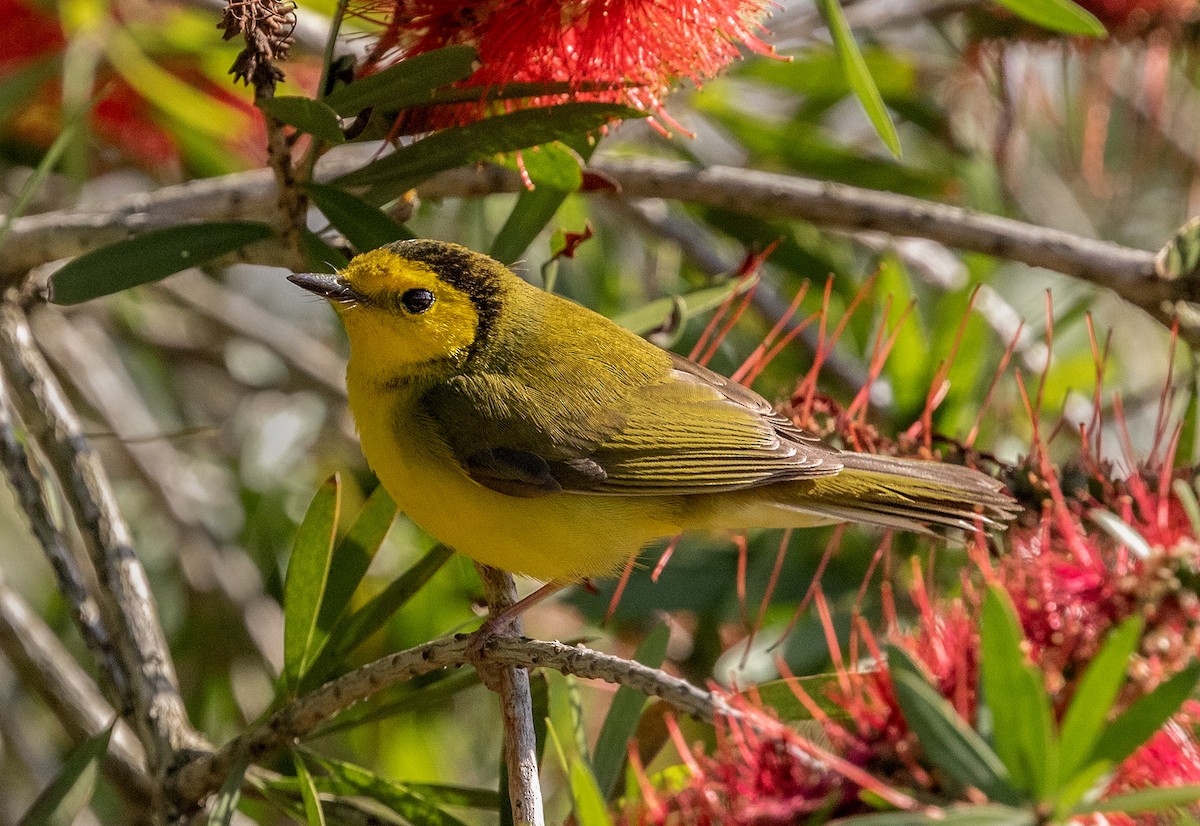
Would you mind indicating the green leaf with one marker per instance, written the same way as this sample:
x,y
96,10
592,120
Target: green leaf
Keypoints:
x,y
1094,697
150,257
307,573
408,83
1056,15
650,316
1022,721
310,116
353,630
608,757
314,815
589,806
225,801
986,815
33,184
465,796
858,75
554,165
945,739
556,170
351,558
319,255
779,696
349,779
390,176
435,693
71,791
1145,716
366,226
1145,800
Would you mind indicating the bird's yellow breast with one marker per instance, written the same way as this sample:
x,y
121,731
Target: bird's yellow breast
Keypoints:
x,y
563,537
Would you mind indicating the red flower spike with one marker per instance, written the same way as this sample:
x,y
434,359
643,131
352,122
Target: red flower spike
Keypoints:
x,y
620,51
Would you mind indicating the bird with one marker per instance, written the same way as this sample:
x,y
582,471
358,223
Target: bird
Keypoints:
x,y
536,436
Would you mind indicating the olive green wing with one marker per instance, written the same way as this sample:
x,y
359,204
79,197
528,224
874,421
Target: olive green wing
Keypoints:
x,y
692,432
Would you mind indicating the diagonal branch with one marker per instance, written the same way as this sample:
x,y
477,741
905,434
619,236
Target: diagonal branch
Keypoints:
x,y
199,778
39,239
124,598
72,582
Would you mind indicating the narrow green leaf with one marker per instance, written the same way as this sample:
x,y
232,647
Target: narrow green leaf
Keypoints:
x,y
149,257
533,210
986,815
554,165
429,695
351,558
1146,715
590,809
945,739
1095,695
319,255
608,757
307,573
408,83
392,175
1022,721
650,316
1085,783
310,116
314,815
225,801
1145,800
858,75
1056,15
348,779
778,695
464,796
351,631
70,792
585,795
33,184
366,226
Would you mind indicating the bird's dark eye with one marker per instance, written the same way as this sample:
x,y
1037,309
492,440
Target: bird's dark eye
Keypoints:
x,y
417,301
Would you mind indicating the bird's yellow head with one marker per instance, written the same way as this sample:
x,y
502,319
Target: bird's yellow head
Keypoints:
x,y
414,306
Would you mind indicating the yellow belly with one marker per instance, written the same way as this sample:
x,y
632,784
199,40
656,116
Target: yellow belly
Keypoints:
x,y
563,537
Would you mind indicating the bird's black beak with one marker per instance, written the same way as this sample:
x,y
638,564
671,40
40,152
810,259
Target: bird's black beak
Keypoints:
x,y
326,286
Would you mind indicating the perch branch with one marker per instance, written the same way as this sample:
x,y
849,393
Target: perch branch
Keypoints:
x,y
124,598
511,684
199,778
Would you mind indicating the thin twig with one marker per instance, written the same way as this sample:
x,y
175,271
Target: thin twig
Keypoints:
x,y
48,668
124,598
511,684
203,775
72,583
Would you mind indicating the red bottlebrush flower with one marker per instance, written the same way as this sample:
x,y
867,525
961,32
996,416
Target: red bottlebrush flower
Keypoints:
x,y
762,773
626,51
